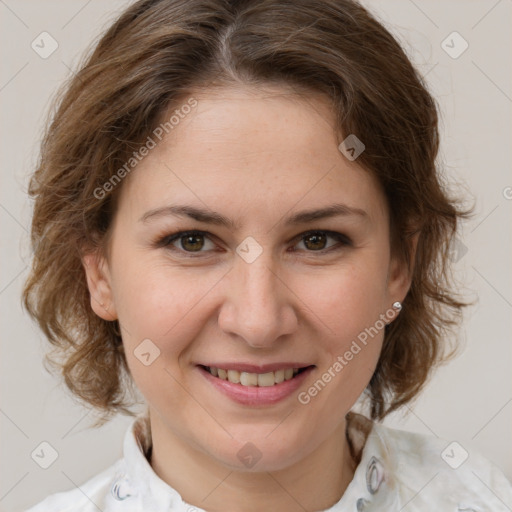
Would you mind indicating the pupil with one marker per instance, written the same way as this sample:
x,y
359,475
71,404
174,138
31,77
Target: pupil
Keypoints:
x,y
318,240
192,239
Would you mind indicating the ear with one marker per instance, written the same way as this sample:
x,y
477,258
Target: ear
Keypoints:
x,y
401,272
100,286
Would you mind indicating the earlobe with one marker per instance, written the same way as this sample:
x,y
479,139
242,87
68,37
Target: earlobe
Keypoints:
x,y
99,284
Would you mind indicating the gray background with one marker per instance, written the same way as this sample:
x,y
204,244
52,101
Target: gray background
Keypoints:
x,y
468,401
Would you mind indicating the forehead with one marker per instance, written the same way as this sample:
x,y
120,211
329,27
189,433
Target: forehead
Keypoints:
x,y
270,149
254,120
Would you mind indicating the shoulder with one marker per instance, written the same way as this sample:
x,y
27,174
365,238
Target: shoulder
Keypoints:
x,y
88,497
426,470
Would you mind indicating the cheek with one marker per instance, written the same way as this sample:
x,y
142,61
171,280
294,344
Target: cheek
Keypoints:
x,y
349,304
157,308
153,298
346,301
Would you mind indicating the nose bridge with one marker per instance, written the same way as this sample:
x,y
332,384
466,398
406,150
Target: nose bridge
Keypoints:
x,y
258,283
258,309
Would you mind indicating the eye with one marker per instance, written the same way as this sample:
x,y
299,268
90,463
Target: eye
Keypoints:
x,y
316,241
190,242
187,241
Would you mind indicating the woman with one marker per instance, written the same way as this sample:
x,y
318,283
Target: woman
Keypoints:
x,y
261,237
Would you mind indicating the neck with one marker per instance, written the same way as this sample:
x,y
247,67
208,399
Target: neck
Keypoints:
x,y
316,482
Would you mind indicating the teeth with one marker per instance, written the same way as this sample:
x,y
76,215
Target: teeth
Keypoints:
x,y
234,376
266,379
254,379
248,379
279,376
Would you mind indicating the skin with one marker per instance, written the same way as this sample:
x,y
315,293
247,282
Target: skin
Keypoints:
x,y
255,156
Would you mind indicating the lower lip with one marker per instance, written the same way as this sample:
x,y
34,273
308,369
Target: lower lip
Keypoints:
x,y
257,395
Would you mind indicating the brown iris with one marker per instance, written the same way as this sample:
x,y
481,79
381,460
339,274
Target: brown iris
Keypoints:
x,y
192,243
318,241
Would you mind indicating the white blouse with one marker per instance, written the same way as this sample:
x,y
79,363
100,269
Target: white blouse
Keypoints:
x,y
398,471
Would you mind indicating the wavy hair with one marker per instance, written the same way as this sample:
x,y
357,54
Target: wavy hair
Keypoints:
x,y
153,55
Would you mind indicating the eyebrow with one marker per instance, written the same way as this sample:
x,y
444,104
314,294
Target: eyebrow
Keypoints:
x,y
211,217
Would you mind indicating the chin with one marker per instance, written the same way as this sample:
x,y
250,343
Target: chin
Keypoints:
x,y
260,450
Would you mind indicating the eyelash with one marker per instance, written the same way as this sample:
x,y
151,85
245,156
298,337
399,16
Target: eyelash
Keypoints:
x,y
167,240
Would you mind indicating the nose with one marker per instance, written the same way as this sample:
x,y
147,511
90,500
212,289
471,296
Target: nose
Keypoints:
x,y
258,303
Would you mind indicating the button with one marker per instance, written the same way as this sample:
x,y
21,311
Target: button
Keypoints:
x,y
374,475
122,489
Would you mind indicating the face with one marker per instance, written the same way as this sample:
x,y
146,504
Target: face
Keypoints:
x,y
218,263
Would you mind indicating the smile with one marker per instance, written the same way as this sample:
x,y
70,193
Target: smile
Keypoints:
x,y
245,385
255,379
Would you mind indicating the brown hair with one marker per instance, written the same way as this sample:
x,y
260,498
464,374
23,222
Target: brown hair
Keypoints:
x,y
154,55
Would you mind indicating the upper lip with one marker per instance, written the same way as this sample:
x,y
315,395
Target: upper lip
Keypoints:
x,y
255,368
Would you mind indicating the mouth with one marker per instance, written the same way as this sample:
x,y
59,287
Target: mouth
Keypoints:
x,y
256,385
254,379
